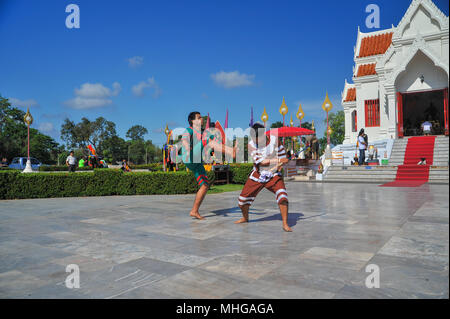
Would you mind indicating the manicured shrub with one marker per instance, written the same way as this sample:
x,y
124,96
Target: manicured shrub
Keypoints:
x,y
62,168
240,172
101,182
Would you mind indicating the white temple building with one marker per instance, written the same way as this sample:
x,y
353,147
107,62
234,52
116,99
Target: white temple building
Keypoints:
x,y
400,78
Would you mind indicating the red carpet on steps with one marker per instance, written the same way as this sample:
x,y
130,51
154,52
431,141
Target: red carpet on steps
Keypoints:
x,y
410,174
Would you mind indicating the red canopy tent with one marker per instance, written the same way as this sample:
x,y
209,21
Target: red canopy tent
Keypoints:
x,y
289,131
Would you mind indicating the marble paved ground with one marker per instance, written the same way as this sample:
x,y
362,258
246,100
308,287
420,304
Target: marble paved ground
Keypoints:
x,y
148,246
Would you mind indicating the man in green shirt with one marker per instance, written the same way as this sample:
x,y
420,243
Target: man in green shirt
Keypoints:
x,y
194,142
81,162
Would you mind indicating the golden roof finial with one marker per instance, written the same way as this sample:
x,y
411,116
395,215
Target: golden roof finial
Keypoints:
x,y
300,114
28,118
264,116
327,105
283,108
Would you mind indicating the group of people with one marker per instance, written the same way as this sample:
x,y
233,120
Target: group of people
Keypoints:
x,y
92,161
268,155
309,149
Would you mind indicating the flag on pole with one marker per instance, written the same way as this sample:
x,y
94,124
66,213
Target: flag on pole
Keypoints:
x,y
251,118
226,120
207,123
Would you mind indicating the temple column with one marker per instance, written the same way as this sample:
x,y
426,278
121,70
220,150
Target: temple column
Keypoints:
x,y
348,125
391,120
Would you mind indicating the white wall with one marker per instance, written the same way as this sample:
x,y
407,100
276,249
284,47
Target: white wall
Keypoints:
x,y
368,91
420,64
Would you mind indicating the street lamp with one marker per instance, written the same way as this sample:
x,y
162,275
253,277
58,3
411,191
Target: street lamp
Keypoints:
x,y
29,120
167,132
327,106
264,116
300,114
283,109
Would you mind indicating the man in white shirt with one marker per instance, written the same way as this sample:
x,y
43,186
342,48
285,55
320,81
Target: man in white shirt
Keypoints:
x,y
362,147
71,161
268,159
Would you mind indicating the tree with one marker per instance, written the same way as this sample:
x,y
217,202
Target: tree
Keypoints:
x,y
276,124
13,136
337,125
115,149
137,151
87,133
136,132
307,125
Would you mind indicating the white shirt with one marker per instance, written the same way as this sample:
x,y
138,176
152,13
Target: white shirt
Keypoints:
x,y
270,151
361,141
426,126
71,160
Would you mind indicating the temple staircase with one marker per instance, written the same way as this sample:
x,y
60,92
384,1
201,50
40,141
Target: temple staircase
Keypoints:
x,y
401,167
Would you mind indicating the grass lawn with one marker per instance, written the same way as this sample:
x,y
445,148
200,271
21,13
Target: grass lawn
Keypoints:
x,y
215,189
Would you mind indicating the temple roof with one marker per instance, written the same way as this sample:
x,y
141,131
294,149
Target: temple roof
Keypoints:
x,y
366,69
375,44
351,95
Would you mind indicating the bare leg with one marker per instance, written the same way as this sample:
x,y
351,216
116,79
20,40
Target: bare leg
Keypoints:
x,y
244,210
198,201
284,215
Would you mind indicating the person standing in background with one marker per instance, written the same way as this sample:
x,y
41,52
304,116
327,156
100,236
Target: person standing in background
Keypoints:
x,y
71,161
362,147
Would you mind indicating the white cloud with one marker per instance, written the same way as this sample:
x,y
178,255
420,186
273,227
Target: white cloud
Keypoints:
x,y
135,61
46,127
93,95
138,89
22,103
233,79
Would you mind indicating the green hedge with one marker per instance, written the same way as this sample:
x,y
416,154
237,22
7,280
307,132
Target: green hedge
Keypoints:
x,y
155,167
240,172
62,168
15,185
7,169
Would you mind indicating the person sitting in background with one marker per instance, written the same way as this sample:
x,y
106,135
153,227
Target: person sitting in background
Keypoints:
x,y
426,127
288,155
423,161
355,160
4,162
125,167
103,164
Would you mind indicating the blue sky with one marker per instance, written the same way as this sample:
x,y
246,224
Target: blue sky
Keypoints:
x,y
152,62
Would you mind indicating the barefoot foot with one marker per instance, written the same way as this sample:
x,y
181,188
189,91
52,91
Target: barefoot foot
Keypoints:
x,y
287,228
242,220
196,215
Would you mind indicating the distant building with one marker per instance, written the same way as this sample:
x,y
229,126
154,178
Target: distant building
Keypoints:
x,y
400,77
